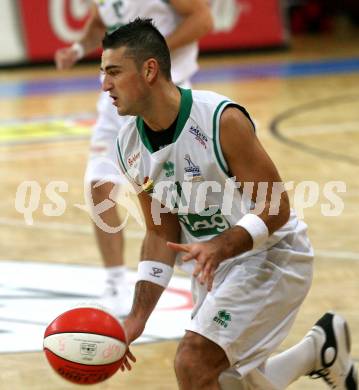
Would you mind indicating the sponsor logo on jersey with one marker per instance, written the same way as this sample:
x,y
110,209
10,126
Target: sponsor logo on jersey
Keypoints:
x,y
132,159
169,168
199,136
204,225
192,171
222,318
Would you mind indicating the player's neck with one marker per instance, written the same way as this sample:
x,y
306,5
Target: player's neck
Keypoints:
x,y
164,107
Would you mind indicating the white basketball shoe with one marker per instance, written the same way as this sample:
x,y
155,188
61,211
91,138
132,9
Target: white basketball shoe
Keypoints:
x,y
117,298
333,362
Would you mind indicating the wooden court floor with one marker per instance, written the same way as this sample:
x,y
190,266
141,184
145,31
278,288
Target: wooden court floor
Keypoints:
x,y
309,124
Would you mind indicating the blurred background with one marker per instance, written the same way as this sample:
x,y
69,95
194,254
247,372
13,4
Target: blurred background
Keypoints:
x,y
32,30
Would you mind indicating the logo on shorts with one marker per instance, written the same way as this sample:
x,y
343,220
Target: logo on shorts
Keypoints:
x,y
222,318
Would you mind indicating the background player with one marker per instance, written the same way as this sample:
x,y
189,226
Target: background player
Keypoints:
x,y
183,22
251,264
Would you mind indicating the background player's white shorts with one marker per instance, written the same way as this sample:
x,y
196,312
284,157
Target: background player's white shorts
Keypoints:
x,y
253,304
102,163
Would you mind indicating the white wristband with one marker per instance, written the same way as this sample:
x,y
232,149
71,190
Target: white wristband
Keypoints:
x,y
155,272
256,227
78,49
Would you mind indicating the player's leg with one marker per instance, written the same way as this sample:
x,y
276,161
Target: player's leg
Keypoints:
x,y
323,353
252,308
102,182
199,363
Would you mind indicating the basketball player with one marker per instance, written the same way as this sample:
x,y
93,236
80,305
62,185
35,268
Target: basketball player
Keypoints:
x,y
183,22
208,188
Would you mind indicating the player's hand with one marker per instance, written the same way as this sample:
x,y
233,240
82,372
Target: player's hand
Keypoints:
x,y
65,58
207,255
126,363
133,329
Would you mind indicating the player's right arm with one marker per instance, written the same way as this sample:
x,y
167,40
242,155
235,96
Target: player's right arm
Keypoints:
x,y
155,249
94,32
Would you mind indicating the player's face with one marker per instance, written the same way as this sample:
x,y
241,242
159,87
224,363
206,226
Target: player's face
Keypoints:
x,y
123,81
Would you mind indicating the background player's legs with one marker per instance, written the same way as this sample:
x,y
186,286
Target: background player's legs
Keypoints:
x,y
102,181
110,241
111,245
199,362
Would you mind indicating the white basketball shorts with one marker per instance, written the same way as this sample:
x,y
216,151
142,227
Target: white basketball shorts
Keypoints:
x,y
253,304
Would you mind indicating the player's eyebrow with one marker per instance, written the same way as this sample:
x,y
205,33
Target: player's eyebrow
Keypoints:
x,y
109,67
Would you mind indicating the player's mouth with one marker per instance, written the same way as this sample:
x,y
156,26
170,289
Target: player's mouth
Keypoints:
x,y
114,100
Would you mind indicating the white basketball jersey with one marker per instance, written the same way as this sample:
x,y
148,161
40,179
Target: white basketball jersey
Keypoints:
x,y
115,13
190,176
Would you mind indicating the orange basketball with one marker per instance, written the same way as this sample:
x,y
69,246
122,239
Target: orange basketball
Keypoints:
x,y
85,345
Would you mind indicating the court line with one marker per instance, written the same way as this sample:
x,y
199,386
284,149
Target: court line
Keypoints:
x,y
138,234
275,128
322,129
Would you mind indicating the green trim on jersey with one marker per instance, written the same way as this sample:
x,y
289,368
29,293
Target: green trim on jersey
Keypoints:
x,y
111,29
120,159
183,115
216,142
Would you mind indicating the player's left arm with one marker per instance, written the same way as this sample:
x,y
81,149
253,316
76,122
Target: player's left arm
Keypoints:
x,y
197,21
154,249
156,265
248,162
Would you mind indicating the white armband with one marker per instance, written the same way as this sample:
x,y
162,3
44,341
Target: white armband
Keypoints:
x,y
256,228
155,272
79,49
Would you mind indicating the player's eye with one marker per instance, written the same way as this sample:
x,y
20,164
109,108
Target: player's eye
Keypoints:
x,y
114,72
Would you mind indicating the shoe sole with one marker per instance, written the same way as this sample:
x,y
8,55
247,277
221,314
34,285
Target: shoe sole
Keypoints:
x,y
351,381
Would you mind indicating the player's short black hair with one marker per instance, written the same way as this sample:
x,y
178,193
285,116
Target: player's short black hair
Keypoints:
x,y
143,41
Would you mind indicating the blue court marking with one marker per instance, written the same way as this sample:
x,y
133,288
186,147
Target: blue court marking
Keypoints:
x,y
226,73
49,86
278,70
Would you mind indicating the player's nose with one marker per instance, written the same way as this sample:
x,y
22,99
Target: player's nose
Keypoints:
x,y
107,83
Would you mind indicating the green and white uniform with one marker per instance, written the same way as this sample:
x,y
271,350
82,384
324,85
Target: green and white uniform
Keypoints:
x,y
114,13
255,296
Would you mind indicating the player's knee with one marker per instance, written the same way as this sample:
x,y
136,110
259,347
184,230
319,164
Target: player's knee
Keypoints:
x,y
194,362
101,192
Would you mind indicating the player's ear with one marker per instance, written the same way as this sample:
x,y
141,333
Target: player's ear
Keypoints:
x,y
150,70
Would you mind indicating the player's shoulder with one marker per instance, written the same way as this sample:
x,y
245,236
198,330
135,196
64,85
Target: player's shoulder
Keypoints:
x,y
207,104
207,97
